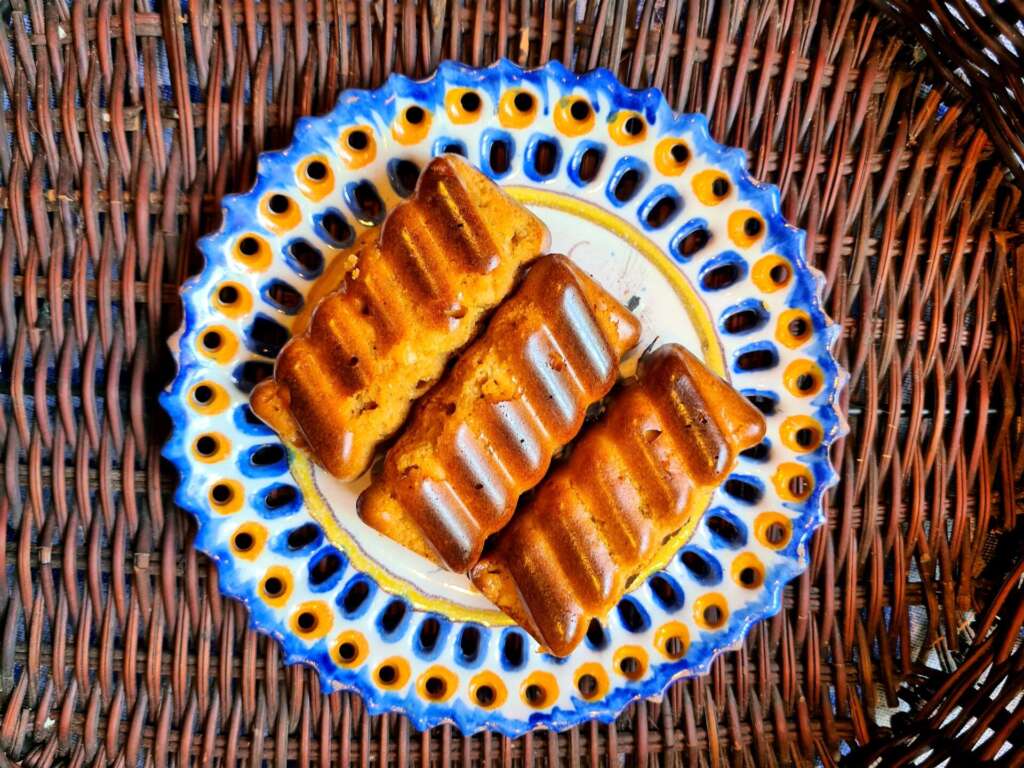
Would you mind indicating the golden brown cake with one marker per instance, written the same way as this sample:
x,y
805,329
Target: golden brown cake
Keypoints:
x,y
633,479
444,258
487,433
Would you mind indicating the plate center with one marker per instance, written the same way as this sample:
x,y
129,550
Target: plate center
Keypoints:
x,y
632,269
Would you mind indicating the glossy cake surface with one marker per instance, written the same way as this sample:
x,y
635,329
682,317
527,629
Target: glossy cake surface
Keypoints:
x,y
634,478
444,258
487,433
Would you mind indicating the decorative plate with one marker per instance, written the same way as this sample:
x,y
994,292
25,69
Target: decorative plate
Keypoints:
x,y
669,222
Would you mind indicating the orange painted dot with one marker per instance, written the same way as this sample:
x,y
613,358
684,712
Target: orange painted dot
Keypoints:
x,y
630,661
247,541
279,212
232,299
218,343
711,611
671,156
771,273
276,585
411,125
517,108
801,434
437,683
350,649
748,570
711,187
574,116
591,681
392,673
803,378
672,640
627,127
746,227
463,105
487,691
226,496
315,177
208,398
210,447
358,146
539,690
252,252
794,328
793,482
312,620
773,530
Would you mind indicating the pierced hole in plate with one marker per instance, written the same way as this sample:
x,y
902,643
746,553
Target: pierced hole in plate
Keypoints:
x,y
485,695
713,616
806,437
414,115
720,187
752,227
741,490
726,530
251,373
267,336
392,616
454,149
661,212
631,616
469,643
436,687
317,170
634,126
626,186
590,163
680,153
580,110
249,246
273,586
207,445
499,156
544,158
279,204
764,403
339,230
587,686
512,650
303,536
355,596
721,277
358,140
665,593
631,667
244,541
523,101
203,394
694,242
675,647
267,455
535,695
324,568
699,567
367,200
798,328
430,631
805,382
597,638
280,496
775,534
470,101
284,296
749,577
222,493
308,258
407,173
779,274
347,652
757,360
227,295
760,452
212,340
387,674
745,320
799,486
307,621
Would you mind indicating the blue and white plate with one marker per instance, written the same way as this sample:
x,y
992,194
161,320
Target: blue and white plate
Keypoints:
x,y
669,222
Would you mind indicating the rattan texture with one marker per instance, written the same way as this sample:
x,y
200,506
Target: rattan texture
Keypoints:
x,y
115,645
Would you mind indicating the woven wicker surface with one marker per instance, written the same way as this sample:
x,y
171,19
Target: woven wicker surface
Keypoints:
x,y
115,646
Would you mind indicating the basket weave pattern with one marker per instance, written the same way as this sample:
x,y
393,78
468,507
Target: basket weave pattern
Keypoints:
x,y
127,123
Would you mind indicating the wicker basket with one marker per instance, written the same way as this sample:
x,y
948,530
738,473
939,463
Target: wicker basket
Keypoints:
x,y
892,137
